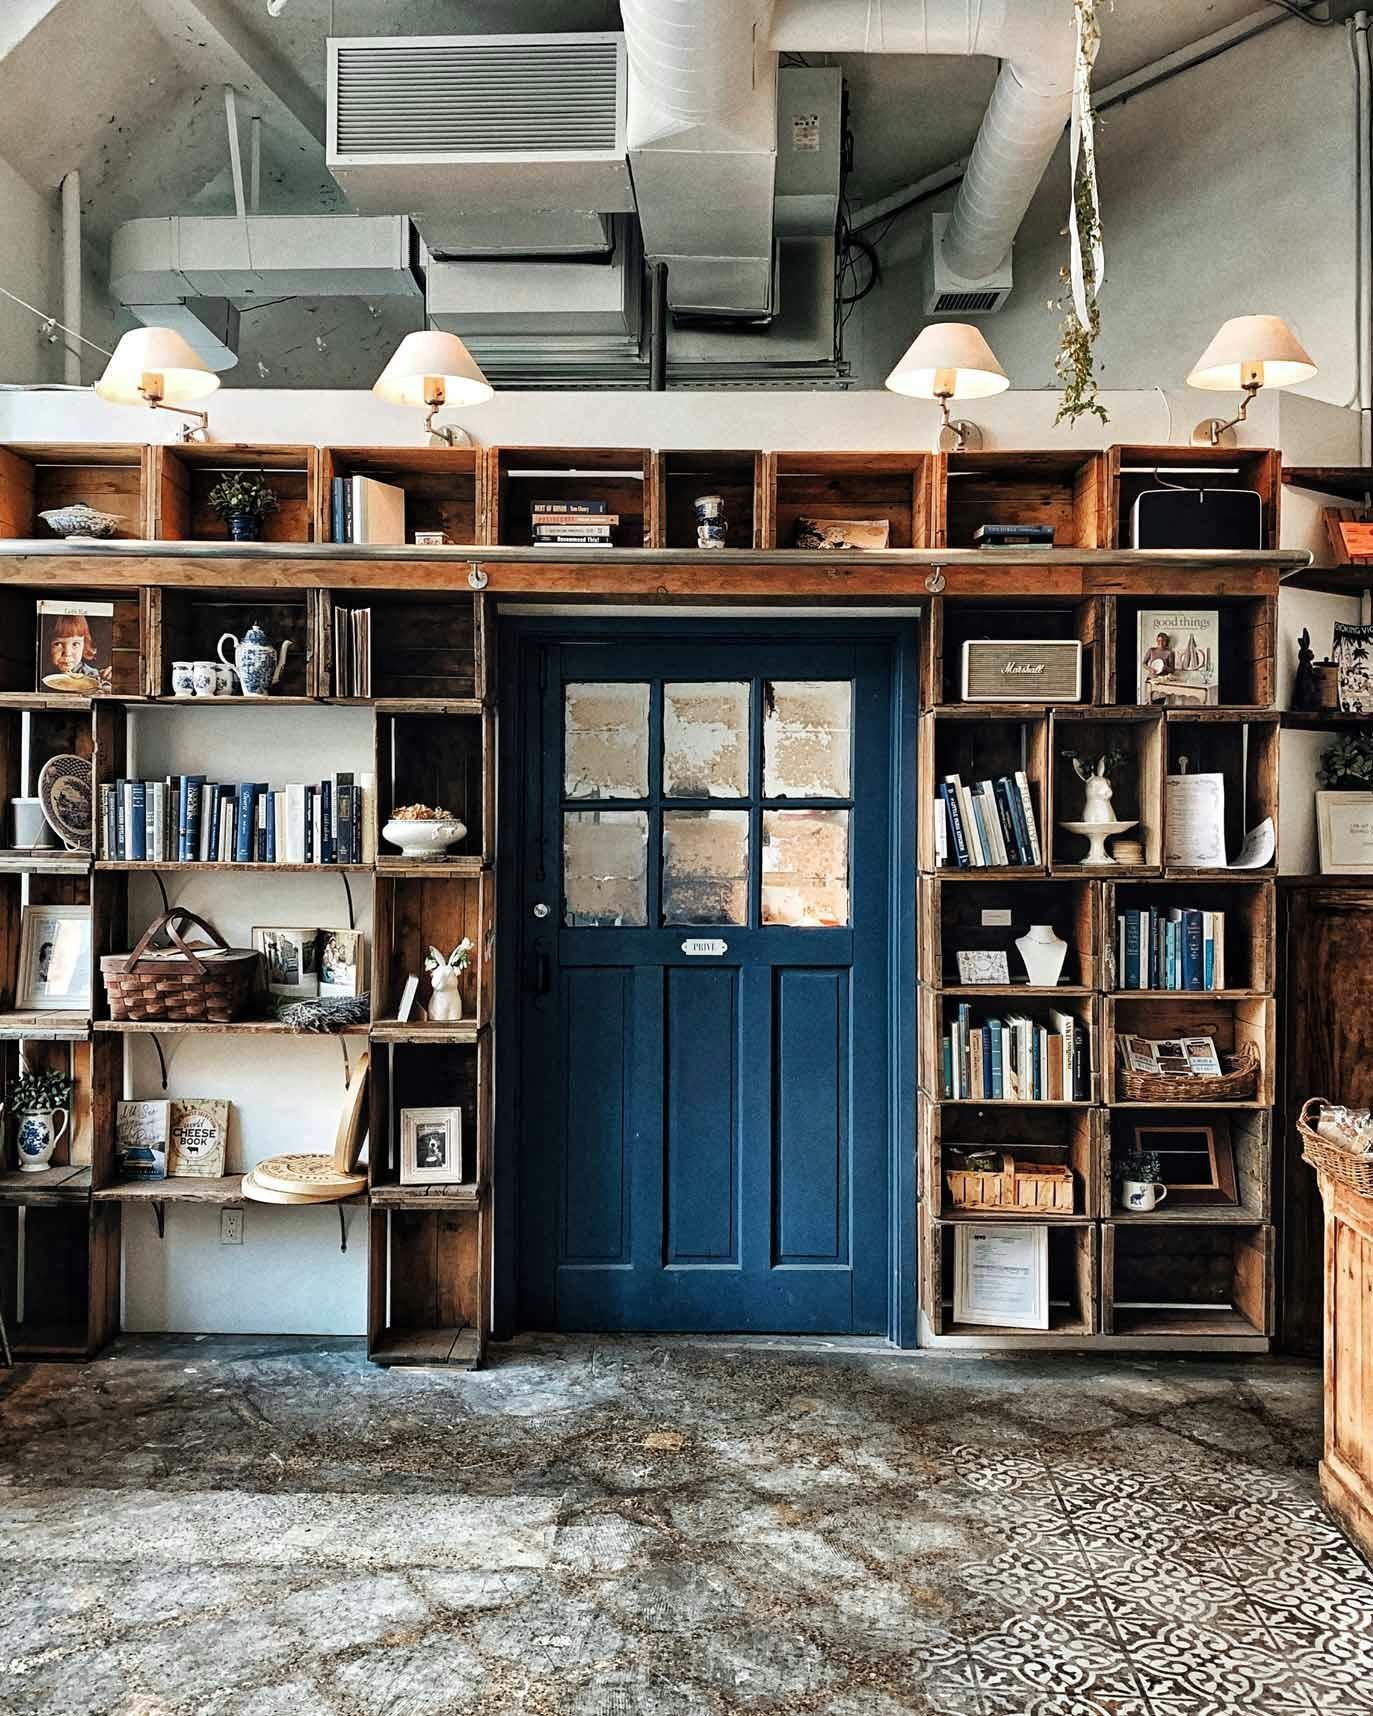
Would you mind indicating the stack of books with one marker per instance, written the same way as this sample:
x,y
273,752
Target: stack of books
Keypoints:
x,y
365,510
1182,947
579,523
186,819
990,822
1016,1059
352,652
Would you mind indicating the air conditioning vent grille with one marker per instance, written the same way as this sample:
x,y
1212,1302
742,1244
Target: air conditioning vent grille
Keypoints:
x,y
967,303
454,97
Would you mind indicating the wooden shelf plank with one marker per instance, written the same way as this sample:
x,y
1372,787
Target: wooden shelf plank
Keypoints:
x,y
239,1027
167,701
392,864
464,1197
276,869
182,1189
44,861
1322,718
1154,1321
1331,580
417,1031
64,1184
46,1027
1188,1215
1349,482
459,1347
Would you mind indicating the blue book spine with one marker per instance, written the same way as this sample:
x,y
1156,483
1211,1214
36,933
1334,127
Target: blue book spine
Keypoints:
x,y
1131,979
1170,955
947,1068
1009,834
1192,955
247,824
1036,1075
355,838
271,831
339,489
1208,952
138,831
958,845
997,1061
192,787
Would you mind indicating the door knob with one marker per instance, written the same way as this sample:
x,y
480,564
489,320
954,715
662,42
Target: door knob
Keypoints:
x,y
540,910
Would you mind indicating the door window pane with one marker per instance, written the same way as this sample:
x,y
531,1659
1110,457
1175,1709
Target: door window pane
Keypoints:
x,y
605,746
705,866
806,738
806,867
605,868
705,740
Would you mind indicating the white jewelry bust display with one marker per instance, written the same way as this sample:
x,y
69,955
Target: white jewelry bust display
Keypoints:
x,y
1043,954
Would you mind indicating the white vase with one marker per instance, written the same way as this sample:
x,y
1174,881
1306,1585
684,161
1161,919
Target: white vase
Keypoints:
x,y
1042,953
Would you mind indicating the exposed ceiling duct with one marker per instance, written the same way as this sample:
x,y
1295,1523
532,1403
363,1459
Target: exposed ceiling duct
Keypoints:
x,y
1031,101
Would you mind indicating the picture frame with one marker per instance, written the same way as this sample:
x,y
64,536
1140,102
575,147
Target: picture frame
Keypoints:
x,y
431,1146
198,1138
54,960
290,959
1001,1275
342,964
1196,1163
1344,833
75,647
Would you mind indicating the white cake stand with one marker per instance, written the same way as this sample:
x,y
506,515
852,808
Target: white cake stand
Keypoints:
x,y
1096,834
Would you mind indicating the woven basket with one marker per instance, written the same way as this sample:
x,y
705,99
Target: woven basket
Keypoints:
x,y
1239,1081
179,985
1025,1187
1328,1159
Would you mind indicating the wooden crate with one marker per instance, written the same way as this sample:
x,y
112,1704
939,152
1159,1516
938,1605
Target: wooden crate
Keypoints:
x,y
1230,1021
954,903
896,486
1247,677
1249,1136
1073,1293
1035,1132
423,643
410,914
976,746
1132,469
622,477
187,624
445,760
954,621
1245,752
1165,1281
738,477
1347,1466
1138,785
38,476
1249,925
183,475
1061,488
935,1009
444,487
21,672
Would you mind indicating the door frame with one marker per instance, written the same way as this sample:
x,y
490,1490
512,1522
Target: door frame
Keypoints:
x,y
519,638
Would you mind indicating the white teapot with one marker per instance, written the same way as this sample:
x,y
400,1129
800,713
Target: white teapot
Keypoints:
x,y
256,663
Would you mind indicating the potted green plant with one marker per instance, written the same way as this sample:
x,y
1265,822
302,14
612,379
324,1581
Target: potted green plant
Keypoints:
x,y
242,499
1138,1187
1347,763
35,1098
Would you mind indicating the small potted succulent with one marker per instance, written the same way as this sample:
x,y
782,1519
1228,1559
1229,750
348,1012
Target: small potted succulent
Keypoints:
x,y
36,1098
242,499
1138,1187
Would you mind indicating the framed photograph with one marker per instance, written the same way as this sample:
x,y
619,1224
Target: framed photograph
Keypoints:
x,y
342,963
142,1132
1178,654
1196,1163
1001,1275
430,1146
198,1137
1344,832
76,647
978,966
55,960
291,960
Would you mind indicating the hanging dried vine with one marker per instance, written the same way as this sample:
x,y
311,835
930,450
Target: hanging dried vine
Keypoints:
x,y
1085,272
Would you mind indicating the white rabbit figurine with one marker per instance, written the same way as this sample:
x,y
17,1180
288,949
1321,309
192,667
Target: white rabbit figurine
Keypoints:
x,y
445,1004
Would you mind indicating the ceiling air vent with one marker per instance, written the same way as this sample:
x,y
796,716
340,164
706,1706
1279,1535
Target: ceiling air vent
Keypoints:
x,y
966,303
950,294
421,124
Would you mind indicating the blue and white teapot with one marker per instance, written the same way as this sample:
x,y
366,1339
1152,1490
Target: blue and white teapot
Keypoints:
x,y
255,661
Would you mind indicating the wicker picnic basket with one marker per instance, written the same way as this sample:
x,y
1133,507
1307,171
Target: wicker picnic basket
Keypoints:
x,y
1328,1159
1239,1081
1025,1187
188,983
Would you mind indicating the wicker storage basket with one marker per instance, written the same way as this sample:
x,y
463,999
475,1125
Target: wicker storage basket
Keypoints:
x,y
1239,1081
1326,1158
189,983
1029,1187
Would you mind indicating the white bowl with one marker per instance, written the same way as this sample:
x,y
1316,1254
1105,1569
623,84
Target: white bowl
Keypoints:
x,y
423,839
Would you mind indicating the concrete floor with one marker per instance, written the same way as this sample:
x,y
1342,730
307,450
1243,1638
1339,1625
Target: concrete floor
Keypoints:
x,y
623,1527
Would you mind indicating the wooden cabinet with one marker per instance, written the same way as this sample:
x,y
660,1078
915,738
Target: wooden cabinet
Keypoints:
x,y
1347,1469
1326,982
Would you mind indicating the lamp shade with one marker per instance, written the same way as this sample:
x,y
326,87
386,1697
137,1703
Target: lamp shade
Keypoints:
x,y
949,360
1252,349
425,358
180,373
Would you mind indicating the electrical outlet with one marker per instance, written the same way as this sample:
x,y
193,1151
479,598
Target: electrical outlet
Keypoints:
x,y
231,1227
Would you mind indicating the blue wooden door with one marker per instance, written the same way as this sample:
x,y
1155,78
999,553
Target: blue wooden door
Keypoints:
x,y
706,1018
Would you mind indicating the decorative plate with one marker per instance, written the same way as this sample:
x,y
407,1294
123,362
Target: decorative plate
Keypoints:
x,y
80,520
64,791
254,1189
307,1175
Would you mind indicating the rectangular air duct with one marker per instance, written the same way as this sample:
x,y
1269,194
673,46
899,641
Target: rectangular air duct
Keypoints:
x,y
435,125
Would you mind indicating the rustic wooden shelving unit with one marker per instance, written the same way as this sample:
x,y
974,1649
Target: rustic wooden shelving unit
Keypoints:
x,y
176,584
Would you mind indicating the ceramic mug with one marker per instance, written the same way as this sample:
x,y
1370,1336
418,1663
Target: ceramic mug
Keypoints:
x,y
1141,1196
205,678
224,680
30,827
183,679
35,1138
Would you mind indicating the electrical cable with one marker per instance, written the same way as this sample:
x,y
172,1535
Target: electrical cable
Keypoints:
x,y
1299,11
52,321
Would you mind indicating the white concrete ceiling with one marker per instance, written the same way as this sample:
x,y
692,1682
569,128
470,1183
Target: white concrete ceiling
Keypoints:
x,y
131,93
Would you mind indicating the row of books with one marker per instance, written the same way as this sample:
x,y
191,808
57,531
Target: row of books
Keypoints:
x,y
989,822
186,819
1016,1059
352,652
575,522
1178,948
361,509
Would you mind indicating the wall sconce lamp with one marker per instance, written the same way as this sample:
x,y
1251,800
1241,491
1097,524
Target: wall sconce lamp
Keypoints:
x,y
155,367
1248,353
950,360
434,370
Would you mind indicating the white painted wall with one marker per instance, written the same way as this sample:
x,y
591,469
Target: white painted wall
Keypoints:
x,y
30,266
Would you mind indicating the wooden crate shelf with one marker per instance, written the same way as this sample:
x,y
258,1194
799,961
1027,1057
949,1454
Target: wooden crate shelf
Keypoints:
x,y
443,487
1249,908
1231,1022
1069,1137
739,478
1247,675
38,476
1138,783
1061,488
1188,1279
1131,469
67,1183
969,743
186,625
423,647
954,622
621,477
969,917
1247,1135
1073,1296
898,487
1243,750
182,476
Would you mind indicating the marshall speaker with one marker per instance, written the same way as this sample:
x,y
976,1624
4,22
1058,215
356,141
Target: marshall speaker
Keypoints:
x,y
1020,670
